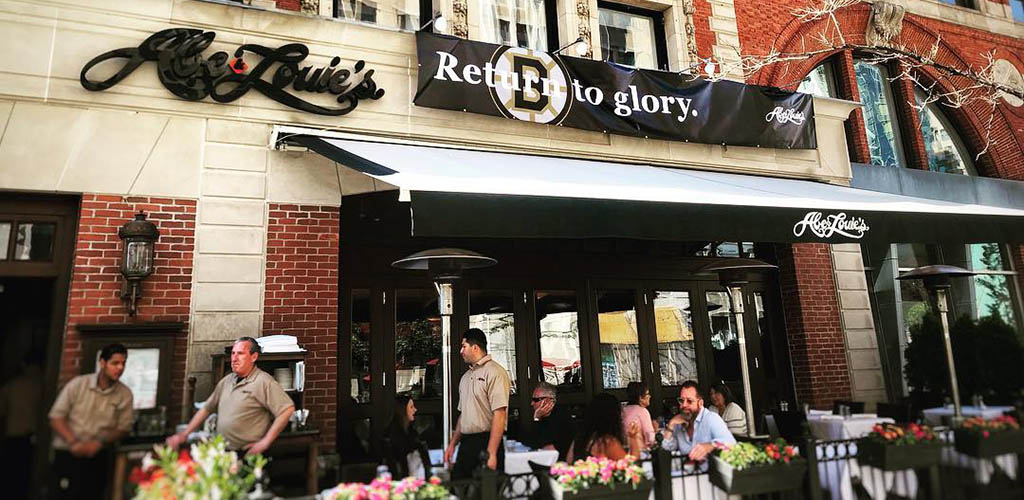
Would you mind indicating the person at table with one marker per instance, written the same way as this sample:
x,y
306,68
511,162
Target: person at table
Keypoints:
x,y
251,407
695,430
403,439
483,407
725,406
602,434
91,413
552,427
638,395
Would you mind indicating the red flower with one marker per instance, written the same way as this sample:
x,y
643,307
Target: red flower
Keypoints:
x,y
984,433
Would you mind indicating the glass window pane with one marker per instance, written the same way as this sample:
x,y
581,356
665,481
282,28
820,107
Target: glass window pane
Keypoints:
x,y
5,239
988,257
628,39
620,343
558,326
141,375
34,241
417,343
673,323
992,292
1017,6
819,82
945,151
516,23
400,14
911,255
361,346
915,303
767,354
724,339
491,311
879,114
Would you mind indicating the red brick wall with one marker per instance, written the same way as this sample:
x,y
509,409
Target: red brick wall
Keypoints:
x,y
292,4
96,279
302,299
816,346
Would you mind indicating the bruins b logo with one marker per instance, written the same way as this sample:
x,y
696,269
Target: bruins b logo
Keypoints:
x,y
533,86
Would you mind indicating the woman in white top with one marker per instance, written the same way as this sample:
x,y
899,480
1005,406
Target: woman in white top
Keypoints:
x,y
734,416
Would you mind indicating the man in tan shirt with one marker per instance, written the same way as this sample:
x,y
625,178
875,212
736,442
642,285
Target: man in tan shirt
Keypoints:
x,y
251,407
91,412
483,403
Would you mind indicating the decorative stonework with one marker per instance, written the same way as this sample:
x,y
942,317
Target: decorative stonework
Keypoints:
x,y
1005,73
884,23
460,18
691,31
310,7
583,26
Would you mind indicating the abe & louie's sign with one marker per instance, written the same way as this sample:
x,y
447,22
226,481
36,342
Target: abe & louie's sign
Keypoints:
x,y
275,73
528,85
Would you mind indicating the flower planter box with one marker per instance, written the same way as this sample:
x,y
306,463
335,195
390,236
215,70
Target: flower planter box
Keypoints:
x,y
623,491
757,480
998,443
892,457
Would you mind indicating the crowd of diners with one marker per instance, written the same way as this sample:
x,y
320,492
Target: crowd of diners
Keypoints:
x,y
608,429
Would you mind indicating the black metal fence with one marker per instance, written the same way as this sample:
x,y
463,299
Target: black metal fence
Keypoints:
x,y
833,473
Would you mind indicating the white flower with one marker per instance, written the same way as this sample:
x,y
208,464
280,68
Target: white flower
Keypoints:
x,y
215,493
148,462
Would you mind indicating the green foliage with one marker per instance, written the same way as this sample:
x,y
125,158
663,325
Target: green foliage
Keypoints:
x,y
988,356
416,342
744,455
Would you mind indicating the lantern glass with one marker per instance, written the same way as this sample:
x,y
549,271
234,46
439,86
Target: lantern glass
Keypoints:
x,y
138,259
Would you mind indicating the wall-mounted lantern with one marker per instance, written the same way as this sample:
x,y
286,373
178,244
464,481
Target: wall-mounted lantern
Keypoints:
x,y
139,236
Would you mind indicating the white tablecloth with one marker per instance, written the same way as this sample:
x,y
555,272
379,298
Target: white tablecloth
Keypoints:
x,y
833,427
519,462
933,416
838,477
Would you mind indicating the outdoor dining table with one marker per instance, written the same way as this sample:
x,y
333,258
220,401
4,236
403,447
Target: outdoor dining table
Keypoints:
x,y
934,416
833,427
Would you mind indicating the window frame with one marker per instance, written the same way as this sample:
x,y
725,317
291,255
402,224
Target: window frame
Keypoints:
x,y
894,110
658,18
831,82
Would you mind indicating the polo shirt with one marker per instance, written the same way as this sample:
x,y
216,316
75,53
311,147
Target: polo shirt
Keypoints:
x,y
482,390
91,411
246,408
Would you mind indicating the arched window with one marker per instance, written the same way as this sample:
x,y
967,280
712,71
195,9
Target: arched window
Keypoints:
x,y
879,114
819,82
946,152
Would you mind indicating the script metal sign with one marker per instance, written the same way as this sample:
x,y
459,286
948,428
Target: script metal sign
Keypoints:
x,y
184,71
533,86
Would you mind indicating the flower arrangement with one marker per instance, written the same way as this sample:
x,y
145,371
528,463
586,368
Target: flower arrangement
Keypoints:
x,y
745,455
985,428
383,488
206,471
595,471
895,435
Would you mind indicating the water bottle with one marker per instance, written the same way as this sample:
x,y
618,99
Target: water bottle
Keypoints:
x,y
383,473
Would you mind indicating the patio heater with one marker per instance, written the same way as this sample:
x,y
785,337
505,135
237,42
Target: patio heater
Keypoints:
x,y
732,275
936,280
445,266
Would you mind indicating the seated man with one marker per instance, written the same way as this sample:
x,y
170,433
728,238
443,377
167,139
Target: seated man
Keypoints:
x,y
552,427
695,430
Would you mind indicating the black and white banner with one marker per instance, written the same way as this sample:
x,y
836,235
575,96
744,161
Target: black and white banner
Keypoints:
x,y
523,84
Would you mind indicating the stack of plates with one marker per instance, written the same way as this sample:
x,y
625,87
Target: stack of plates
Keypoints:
x,y
285,377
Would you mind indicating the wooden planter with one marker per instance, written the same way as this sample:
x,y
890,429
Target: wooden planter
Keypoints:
x,y
892,457
757,480
998,443
623,491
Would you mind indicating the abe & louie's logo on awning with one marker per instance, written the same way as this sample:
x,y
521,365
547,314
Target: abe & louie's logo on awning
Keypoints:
x,y
826,226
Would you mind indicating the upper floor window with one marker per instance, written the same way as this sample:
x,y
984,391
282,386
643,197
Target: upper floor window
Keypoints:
x,y
632,36
879,114
401,14
819,82
517,23
962,3
1017,6
946,153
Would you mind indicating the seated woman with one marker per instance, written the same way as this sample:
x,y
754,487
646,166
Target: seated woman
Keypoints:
x,y
725,406
402,439
639,398
602,436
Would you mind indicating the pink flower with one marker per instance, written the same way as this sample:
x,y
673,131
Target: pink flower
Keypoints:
x,y
984,433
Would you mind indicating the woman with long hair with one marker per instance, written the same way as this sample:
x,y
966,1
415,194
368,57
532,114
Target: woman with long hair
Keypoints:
x,y
638,397
725,406
602,434
403,439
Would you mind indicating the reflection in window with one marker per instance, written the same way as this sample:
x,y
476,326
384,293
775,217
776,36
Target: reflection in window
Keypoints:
x,y
673,322
879,114
992,291
517,23
417,343
1017,6
911,255
491,311
819,82
620,344
361,345
5,239
724,339
401,14
727,249
945,151
627,39
915,302
764,332
558,327
34,241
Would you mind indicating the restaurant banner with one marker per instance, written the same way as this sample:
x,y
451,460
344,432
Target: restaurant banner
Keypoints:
x,y
538,87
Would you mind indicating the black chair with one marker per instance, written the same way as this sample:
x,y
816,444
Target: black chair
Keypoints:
x,y
791,425
544,490
900,411
855,406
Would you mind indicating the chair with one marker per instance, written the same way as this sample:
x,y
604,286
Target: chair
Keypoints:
x,y
855,406
900,411
791,425
543,473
